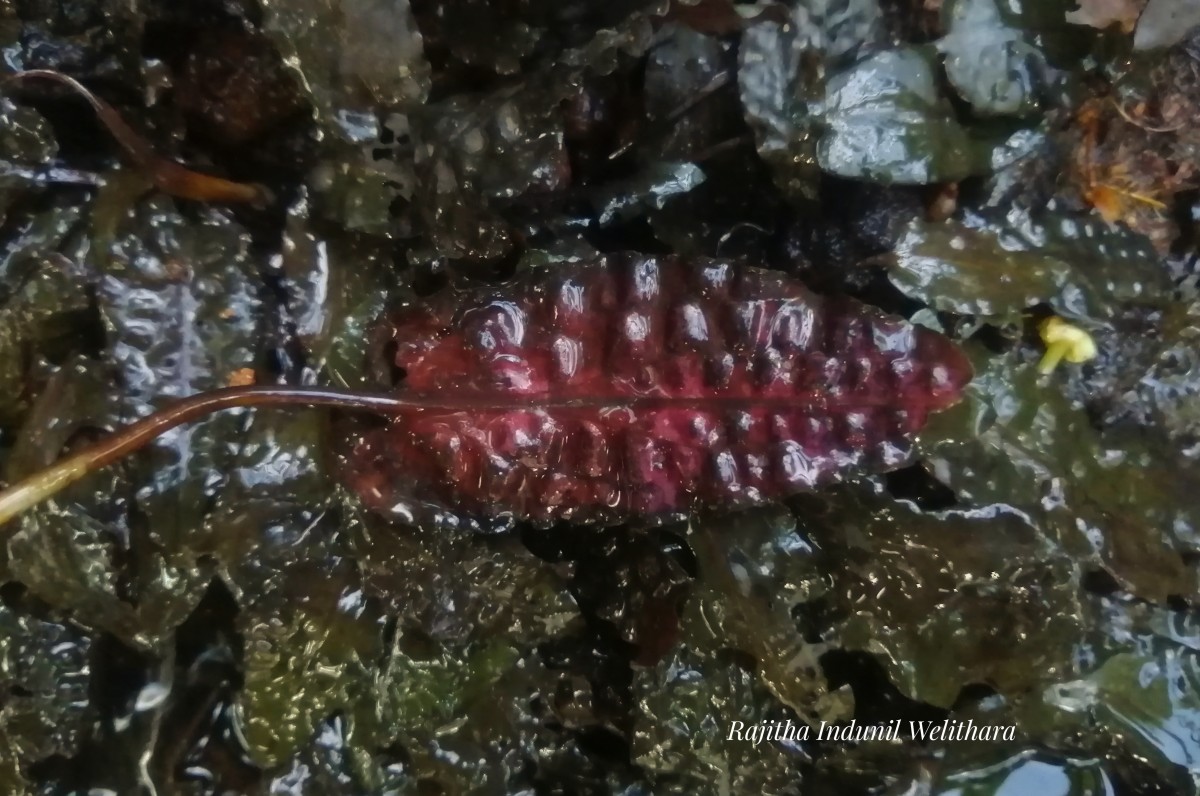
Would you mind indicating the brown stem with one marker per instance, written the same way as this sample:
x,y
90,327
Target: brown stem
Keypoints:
x,y
48,482
52,480
167,175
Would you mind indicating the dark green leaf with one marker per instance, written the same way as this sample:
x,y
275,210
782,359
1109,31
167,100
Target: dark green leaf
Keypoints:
x,y
181,303
1083,270
886,122
45,672
781,79
352,55
1112,500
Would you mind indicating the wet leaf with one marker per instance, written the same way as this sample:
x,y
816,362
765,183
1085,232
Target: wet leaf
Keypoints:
x,y
236,89
781,79
25,136
44,298
696,116
505,144
505,39
357,192
887,123
277,493
652,188
1152,699
275,530
311,645
1156,380
181,304
436,680
472,150
632,333
617,30
493,589
336,288
64,551
990,64
754,570
351,55
946,599
1114,500
45,671
1028,771
388,694
688,704
689,96
1165,23
779,88
999,270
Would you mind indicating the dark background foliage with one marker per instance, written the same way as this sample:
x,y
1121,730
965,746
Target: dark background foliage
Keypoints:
x,y
216,615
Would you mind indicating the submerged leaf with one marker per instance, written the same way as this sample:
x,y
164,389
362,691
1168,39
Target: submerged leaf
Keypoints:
x,y
311,645
1152,376
1153,700
945,599
694,737
25,135
1029,770
494,589
686,97
780,79
352,55
310,638
180,300
452,665
697,116
475,152
336,288
755,569
45,673
1113,500
44,304
64,552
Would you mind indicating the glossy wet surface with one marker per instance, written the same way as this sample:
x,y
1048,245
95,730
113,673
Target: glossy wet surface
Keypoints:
x,y
221,615
712,385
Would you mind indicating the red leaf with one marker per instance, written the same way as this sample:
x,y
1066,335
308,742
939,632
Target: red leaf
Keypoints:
x,y
652,385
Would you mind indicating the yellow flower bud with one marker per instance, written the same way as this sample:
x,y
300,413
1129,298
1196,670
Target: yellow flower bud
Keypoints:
x,y
1064,341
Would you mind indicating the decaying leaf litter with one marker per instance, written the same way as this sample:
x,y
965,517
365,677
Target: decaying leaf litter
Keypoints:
x,y
216,615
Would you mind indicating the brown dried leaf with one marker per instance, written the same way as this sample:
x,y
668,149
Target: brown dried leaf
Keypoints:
x,y
168,176
1103,13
